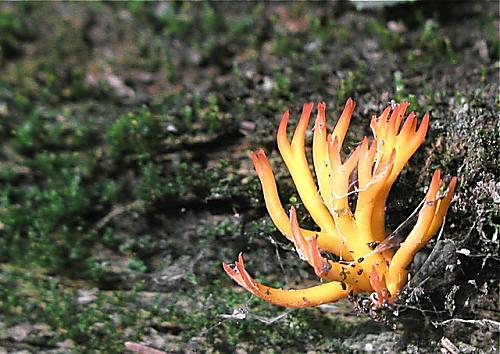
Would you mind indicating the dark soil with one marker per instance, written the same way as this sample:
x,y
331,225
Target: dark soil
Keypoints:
x,y
125,176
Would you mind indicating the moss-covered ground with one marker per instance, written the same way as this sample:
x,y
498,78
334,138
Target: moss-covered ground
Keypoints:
x,y
125,179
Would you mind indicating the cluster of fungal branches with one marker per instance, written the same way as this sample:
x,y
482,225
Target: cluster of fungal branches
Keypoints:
x,y
367,259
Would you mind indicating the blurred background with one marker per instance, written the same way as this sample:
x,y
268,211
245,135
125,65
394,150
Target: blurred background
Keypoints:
x,y
125,179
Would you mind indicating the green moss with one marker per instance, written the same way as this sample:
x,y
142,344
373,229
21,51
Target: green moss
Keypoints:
x,y
135,137
435,43
49,130
353,83
490,30
400,91
12,29
98,325
389,40
108,320
211,116
50,218
296,330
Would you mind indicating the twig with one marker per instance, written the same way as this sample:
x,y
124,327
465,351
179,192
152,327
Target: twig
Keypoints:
x,y
243,313
142,349
271,320
485,323
136,204
449,346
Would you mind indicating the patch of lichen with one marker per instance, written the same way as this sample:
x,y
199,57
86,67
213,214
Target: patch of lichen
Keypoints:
x,y
474,149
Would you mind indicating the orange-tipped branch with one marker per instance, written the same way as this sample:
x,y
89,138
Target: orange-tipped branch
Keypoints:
x,y
294,156
396,275
357,241
378,284
405,143
278,214
441,210
314,296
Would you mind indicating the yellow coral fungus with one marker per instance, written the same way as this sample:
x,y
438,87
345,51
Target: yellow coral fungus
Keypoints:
x,y
367,259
